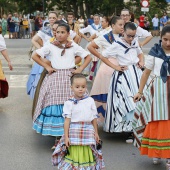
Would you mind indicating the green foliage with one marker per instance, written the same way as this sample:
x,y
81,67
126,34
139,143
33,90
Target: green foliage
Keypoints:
x,y
106,7
7,6
156,7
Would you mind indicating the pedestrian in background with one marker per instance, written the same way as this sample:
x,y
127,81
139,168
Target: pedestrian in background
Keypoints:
x,y
146,23
155,23
32,26
4,25
16,21
11,26
25,27
90,20
38,23
166,16
81,22
141,21
163,22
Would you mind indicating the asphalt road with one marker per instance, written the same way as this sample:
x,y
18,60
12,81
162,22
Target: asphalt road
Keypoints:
x,y
22,149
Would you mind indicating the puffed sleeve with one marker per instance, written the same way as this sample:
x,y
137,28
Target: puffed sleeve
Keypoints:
x,y
2,43
111,51
44,51
72,34
139,50
41,34
149,62
142,33
79,51
67,109
94,109
85,30
99,40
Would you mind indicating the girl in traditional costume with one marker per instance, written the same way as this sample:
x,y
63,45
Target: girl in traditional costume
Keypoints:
x,y
152,115
55,88
100,86
38,41
124,82
77,149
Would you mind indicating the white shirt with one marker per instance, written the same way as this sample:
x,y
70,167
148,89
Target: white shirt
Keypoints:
x,y
66,61
103,31
154,64
102,42
118,51
72,34
155,22
84,111
2,43
81,22
140,32
43,36
89,29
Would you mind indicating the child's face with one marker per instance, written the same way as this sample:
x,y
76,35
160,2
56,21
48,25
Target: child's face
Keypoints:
x,y
55,29
118,27
79,87
62,34
104,23
166,41
52,18
129,35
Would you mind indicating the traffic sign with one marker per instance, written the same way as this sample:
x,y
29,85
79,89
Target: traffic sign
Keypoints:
x,y
144,3
145,9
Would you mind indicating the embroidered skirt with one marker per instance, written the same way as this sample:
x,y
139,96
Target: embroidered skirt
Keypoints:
x,y
100,87
82,142
154,106
54,91
120,105
3,84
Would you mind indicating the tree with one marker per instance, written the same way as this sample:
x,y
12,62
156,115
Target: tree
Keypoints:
x,y
156,7
88,7
7,6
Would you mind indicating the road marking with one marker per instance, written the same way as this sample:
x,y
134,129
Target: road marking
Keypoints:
x,y
17,81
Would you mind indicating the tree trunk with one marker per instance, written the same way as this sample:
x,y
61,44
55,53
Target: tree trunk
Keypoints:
x,y
75,8
82,10
87,10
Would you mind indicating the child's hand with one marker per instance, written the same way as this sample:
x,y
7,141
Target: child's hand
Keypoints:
x,y
50,69
137,97
97,137
140,64
78,70
121,68
67,142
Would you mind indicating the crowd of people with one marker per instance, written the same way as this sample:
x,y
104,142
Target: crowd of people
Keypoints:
x,y
62,105
18,26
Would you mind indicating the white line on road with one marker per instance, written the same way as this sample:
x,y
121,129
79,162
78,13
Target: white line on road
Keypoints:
x,y
17,81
